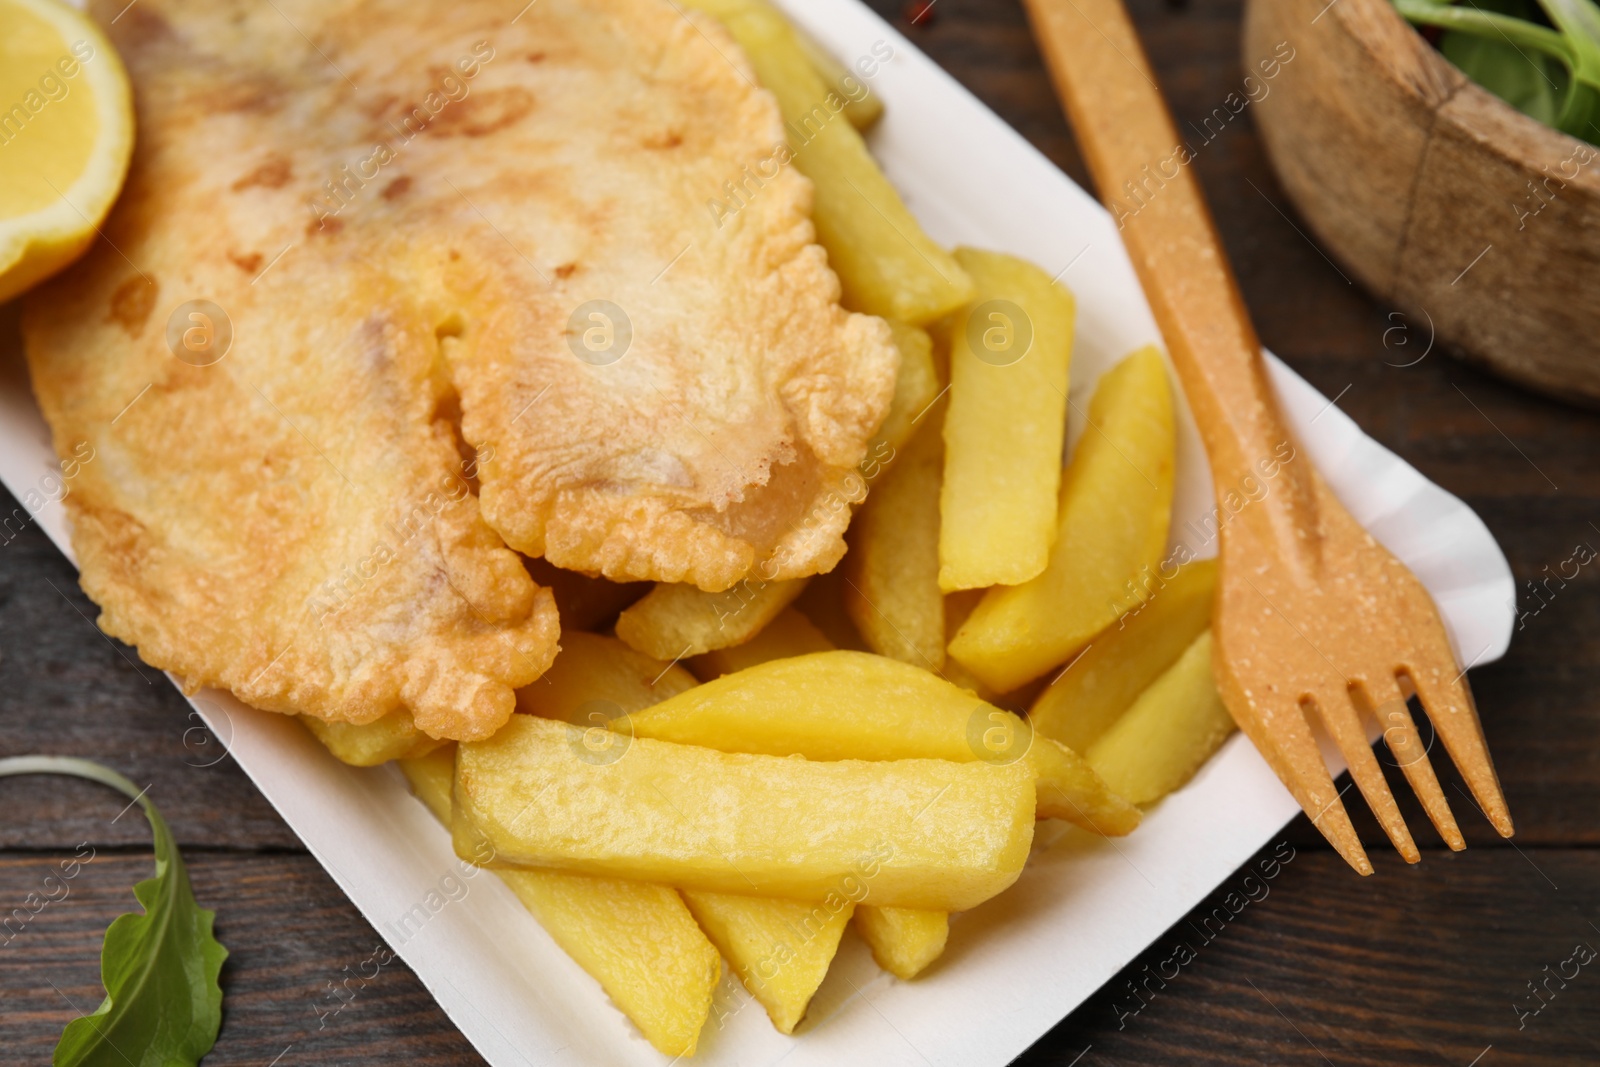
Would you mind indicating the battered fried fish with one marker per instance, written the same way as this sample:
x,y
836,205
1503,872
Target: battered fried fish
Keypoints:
x,y
395,215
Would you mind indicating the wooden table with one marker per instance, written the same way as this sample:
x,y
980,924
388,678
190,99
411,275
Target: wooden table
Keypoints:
x,y
1416,965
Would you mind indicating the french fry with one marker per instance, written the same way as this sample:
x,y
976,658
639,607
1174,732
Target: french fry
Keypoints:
x,y
904,941
1116,504
886,265
676,620
790,634
857,706
917,833
596,678
916,385
743,928
1007,419
861,106
585,603
907,938
638,941
893,563
1171,730
431,777
1123,659
394,736
780,949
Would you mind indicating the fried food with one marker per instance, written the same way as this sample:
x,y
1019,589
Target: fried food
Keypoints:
x,y
856,706
904,941
916,385
892,568
780,949
599,677
1171,730
670,391
394,736
1116,504
674,621
887,264
1085,699
296,520
789,634
1005,425
917,833
637,940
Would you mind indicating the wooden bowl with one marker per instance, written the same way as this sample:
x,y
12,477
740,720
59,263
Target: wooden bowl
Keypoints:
x,y
1475,221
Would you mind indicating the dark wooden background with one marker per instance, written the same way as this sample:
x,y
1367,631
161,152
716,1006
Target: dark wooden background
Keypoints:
x,y
1416,965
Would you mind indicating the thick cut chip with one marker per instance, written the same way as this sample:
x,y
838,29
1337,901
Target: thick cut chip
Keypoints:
x,y
919,833
674,621
1116,504
1009,355
780,949
916,385
1170,731
857,706
790,634
269,356
861,106
594,683
887,264
1123,659
431,777
893,565
394,736
637,940
903,940
597,678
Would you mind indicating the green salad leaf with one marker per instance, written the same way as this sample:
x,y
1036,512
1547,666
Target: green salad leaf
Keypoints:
x,y
1528,79
1543,59
163,1003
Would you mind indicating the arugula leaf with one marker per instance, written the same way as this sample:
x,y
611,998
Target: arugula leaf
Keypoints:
x,y
1579,23
1531,82
163,1004
1549,72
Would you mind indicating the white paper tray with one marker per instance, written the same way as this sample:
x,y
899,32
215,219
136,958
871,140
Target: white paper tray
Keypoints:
x,y
1084,907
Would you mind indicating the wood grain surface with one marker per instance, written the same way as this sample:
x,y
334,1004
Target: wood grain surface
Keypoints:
x,y
1422,965
1412,175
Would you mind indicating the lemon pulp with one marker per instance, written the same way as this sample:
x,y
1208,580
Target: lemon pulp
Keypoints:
x,y
48,124
66,134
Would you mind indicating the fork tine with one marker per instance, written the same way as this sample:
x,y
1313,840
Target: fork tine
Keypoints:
x,y
1449,705
1381,698
1340,720
1283,737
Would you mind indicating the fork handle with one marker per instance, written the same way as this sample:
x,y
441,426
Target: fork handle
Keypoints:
x,y
1141,167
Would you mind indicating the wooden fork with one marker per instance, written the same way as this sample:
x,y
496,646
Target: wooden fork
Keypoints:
x,y
1313,616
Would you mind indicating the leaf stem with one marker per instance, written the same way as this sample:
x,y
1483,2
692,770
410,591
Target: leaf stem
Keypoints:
x,y
73,767
1489,25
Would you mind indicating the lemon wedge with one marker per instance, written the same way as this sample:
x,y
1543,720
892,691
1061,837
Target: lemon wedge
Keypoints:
x,y
66,132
